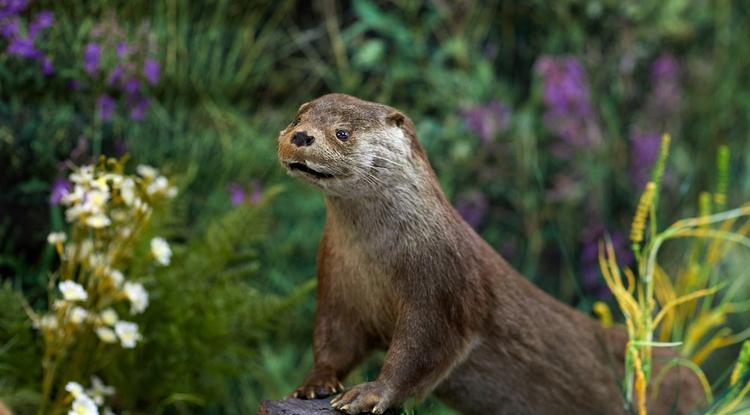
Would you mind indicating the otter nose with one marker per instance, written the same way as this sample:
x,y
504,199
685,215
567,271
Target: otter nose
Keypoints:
x,y
300,138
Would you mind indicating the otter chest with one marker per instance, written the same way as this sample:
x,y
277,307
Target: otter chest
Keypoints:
x,y
363,283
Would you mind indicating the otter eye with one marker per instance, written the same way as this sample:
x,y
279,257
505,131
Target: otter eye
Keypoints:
x,y
295,122
342,135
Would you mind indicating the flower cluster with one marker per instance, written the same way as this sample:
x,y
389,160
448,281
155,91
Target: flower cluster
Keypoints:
x,y
107,210
125,65
568,110
88,401
22,36
487,121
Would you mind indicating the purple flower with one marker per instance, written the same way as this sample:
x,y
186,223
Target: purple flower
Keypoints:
x,y
116,75
23,47
138,109
92,54
569,113
74,85
472,207
236,194
9,29
122,49
12,7
106,107
60,187
151,70
488,120
42,21
132,86
47,67
665,67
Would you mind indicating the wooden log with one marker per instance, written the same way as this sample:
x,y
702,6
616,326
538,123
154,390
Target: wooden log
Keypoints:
x,y
302,407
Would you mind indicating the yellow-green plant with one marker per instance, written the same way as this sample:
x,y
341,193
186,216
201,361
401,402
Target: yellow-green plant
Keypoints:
x,y
688,310
90,294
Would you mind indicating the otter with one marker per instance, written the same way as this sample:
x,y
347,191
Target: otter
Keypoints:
x,y
399,269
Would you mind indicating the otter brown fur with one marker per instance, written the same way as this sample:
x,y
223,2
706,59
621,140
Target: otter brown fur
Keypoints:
x,y
399,269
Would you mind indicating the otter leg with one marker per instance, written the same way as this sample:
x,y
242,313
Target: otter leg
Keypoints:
x,y
426,345
339,344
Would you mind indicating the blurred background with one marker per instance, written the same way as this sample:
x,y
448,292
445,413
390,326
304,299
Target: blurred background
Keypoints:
x,y
542,120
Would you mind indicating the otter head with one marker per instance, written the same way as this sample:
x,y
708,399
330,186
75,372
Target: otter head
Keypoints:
x,y
347,146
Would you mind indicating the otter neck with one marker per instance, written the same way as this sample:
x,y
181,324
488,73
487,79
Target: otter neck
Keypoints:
x,y
409,214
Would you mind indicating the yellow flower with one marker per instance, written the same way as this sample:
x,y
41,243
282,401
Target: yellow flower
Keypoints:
x,y
641,213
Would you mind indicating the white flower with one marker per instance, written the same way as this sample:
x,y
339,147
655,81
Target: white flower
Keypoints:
x,y
172,192
72,291
96,199
108,411
115,178
83,175
128,333
140,205
161,251
106,334
78,315
56,238
109,317
137,295
99,390
159,185
117,277
127,191
83,405
74,388
77,195
48,322
146,171
100,184
98,221
74,212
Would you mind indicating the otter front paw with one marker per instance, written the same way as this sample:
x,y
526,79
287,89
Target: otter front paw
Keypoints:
x,y
373,397
314,389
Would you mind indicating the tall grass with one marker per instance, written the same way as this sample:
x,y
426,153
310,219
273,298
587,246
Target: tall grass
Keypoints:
x,y
687,311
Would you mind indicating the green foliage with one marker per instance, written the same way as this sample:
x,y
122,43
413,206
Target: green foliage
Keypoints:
x,y
19,354
206,323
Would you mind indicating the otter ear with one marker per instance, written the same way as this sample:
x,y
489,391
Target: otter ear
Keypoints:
x,y
304,107
395,118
